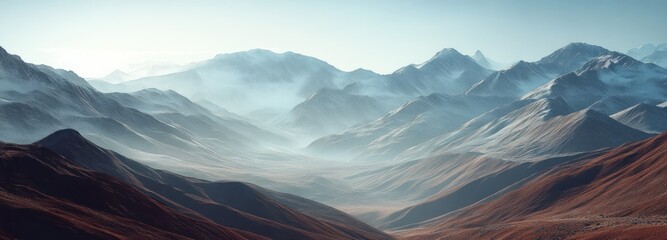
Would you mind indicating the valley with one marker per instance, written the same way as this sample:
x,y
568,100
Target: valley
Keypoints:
x,y
563,137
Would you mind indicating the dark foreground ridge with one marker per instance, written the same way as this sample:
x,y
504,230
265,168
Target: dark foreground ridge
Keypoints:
x,y
67,186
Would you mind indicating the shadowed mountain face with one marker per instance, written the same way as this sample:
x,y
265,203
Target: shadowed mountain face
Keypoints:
x,y
233,204
620,192
43,195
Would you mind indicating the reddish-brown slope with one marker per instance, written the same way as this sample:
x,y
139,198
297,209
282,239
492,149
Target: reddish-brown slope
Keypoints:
x,y
621,193
43,195
231,204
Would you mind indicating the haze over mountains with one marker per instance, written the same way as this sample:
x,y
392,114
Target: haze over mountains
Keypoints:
x,y
256,80
234,208
254,144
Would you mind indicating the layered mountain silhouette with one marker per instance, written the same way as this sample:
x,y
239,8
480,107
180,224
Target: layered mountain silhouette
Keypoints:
x,y
658,58
615,194
485,62
562,111
231,132
146,124
249,81
522,77
486,179
448,72
524,131
614,74
234,205
448,148
331,110
645,117
405,126
44,195
117,76
646,49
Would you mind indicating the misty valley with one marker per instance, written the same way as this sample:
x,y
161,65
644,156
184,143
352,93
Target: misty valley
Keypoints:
x,y
275,144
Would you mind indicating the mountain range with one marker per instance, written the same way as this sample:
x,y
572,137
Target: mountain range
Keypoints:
x,y
265,145
522,77
615,194
147,124
245,82
128,189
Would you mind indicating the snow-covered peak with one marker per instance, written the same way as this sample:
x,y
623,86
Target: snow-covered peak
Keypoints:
x,y
409,69
521,64
478,55
450,59
609,60
482,60
257,52
573,55
447,53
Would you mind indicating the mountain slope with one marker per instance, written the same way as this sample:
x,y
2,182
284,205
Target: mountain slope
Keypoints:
x,y
174,109
405,126
232,204
573,56
117,76
485,62
482,60
618,194
645,50
613,104
20,120
531,130
658,58
135,71
448,72
48,196
109,123
249,81
645,117
614,74
522,77
331,110
514,81
485,185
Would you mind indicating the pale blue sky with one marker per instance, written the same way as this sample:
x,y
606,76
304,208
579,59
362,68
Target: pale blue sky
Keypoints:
x,y
93,37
